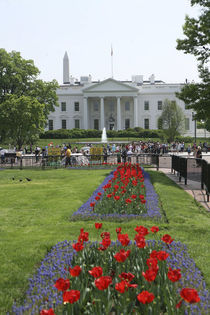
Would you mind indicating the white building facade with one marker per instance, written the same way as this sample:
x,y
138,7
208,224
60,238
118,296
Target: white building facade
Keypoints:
x,y
113,104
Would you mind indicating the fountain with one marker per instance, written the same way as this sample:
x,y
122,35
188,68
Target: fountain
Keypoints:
x,y
104,136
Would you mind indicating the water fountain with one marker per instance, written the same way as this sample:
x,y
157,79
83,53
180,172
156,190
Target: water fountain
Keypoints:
x,y
104,136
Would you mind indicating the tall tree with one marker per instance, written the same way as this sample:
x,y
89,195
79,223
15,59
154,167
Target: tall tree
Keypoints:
x,y
171,120
197,42
22,118
19,83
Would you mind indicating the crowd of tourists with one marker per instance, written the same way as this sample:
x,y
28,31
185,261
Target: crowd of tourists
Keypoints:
x,y
120,150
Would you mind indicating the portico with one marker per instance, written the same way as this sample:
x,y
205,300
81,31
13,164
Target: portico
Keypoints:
x,y
110,104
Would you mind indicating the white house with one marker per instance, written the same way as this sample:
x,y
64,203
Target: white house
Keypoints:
x,y
113,104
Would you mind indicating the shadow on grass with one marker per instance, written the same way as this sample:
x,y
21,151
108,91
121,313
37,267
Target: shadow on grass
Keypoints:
x,y
162,179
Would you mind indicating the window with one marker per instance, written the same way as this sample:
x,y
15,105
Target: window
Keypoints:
x,y
76,106
96,106
76,124
63,124
146,105
63,106
160,105
96,124
146,123
111,106
160,123
187,124
127,106
127,123
50,124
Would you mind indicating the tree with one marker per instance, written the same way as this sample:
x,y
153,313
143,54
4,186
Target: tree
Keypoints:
x,y
171,120
19,83
197,41
22,118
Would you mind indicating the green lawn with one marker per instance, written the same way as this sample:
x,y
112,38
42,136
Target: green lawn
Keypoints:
x,y
35,216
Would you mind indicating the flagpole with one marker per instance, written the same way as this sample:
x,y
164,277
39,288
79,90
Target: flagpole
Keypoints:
x,y
112,61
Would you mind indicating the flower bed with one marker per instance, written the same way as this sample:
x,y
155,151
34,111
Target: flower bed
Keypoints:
x,y
125,194
145,277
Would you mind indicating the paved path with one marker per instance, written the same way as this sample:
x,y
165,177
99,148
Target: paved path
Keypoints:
x,y
193,188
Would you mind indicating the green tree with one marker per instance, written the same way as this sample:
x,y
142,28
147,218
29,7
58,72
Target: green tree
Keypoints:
x,y
22,118
171,120
196,42
19,82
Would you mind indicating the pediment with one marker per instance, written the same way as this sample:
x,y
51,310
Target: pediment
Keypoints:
x,y
110,85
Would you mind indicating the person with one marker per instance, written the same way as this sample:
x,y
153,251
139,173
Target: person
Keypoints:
x,y
198,156
68,157
2,156
105,154
37,154
124,154
118,156
129,154
189,149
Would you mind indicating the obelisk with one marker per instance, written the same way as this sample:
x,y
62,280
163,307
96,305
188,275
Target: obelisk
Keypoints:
x,y
66,69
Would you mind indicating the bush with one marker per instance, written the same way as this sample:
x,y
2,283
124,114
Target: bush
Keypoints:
x,y
137,132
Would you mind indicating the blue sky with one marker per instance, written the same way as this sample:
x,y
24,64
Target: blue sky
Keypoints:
x,y
143,34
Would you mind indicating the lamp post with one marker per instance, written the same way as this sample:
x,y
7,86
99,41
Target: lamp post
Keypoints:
x,y
193,118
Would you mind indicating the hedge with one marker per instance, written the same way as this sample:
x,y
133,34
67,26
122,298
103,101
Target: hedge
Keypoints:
x,y
91,133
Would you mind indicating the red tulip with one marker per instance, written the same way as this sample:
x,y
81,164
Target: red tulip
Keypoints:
x,y
123,239
145,297
103,282
122,255
174,275
71,296
167,239
96,272
62,284
154,229
47,312
149,275
118,230
98,225
78,246
162,255
190,295
141,230
75,272
126,276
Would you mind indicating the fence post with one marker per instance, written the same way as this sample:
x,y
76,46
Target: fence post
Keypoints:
x,y
21,163
157,162
43,163
185,164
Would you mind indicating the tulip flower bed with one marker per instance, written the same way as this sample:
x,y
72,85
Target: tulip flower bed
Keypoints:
x,y
140,277
126,193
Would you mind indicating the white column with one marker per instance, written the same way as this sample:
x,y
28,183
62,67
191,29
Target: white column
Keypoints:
x,y
85,113
135,100
102,112
118,114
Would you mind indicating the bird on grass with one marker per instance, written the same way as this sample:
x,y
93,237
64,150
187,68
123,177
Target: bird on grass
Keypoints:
x,y
28,179
13,178
20,180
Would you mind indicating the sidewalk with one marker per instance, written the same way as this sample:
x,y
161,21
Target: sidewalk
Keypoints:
x,y
193,188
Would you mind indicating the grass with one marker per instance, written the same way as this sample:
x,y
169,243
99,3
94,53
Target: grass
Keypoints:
x,y
34,216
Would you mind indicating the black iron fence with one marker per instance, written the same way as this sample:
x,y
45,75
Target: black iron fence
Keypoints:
x,y
192,169
77,160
